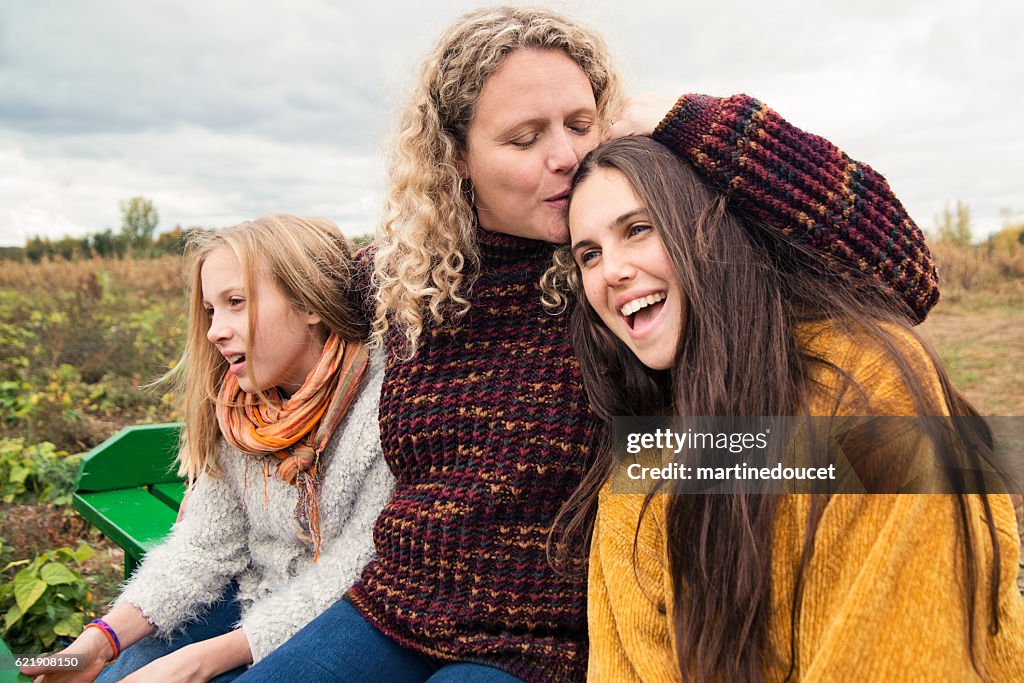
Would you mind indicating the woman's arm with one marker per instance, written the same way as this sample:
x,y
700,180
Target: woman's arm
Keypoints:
x,y
205,551
198,662
629,627
797,182
640,115
885,593
884,597
95,648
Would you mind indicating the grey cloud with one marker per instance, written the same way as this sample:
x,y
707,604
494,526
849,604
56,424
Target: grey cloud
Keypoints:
x,y
222,110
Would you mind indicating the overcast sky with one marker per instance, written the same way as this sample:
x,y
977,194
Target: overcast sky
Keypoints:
x,y
223,110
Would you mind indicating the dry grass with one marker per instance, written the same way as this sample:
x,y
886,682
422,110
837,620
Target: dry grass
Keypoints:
x,y
158,277
78,339
973,269
978,325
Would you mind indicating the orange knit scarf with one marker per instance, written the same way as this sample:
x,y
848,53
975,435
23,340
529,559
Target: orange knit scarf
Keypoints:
x,y
296,430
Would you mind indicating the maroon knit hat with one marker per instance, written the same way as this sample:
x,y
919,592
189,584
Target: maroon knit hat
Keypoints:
x,y
808,188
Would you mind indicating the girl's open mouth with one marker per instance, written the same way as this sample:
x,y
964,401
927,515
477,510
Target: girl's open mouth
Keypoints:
x,y
642,310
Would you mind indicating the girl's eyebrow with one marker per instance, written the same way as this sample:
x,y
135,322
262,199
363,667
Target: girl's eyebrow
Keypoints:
x,y
230,288
629,215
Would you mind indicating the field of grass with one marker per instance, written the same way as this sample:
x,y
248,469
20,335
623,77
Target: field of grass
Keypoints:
x,y
982,346
79,342
978,326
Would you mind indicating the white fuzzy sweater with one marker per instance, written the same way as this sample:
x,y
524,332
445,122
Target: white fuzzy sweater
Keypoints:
x,y
238,527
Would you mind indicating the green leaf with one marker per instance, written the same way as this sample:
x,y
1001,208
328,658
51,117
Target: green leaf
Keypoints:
x,y
54,574
27,589
84,552
12,617
16,563
19,474
70,625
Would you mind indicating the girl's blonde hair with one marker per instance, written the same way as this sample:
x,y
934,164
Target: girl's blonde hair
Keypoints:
x,y
308,260
429,231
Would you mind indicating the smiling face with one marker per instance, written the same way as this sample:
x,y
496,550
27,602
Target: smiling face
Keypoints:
x,y
534,120
286,342
626,273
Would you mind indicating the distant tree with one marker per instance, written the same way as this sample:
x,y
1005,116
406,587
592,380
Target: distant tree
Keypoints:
x,y
68,248
138,222
12,253
955,226
1008,240
1013,226
37,248
103,243
172,242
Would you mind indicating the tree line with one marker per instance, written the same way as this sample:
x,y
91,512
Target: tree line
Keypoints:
x,y
137,237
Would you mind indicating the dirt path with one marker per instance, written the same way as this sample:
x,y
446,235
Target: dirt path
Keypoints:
x,y
984,352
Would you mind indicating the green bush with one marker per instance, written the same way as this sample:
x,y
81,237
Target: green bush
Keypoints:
x,y
79,341
38,473
45,600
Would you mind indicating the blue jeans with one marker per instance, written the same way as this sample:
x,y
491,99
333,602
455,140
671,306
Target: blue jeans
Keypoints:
x,y
340,645
219,619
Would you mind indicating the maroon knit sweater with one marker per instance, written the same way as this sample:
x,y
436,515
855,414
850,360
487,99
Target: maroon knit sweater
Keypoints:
x,y
487,431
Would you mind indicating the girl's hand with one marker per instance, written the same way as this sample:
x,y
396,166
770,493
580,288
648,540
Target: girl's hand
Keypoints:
x,y
640,115
181,666
198,662
94,650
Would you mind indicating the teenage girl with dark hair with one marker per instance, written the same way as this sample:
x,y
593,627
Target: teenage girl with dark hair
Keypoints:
x,y
783,295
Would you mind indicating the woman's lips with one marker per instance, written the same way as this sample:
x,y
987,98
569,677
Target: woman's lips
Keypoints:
x,y
560,200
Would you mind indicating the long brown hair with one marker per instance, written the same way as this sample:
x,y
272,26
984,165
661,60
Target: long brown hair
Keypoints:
x,y
747,290
309,260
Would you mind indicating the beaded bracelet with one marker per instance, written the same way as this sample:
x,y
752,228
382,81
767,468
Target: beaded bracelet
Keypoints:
x,y
109,633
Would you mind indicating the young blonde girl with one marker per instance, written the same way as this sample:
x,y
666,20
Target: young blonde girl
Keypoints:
x,y
281,443
762,272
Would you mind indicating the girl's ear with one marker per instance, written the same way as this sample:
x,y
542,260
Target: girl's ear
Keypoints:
x,y
313,319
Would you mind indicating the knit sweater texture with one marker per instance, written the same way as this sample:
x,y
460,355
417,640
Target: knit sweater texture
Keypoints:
x,y
883,594
238,526
487,431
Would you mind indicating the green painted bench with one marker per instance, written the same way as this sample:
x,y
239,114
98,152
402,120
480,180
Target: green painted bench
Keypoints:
x,y
10,675
128,488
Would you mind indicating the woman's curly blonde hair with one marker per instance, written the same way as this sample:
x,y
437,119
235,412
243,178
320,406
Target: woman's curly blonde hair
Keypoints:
x,y
427,252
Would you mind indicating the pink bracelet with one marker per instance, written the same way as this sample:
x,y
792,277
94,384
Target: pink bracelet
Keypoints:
x,y
109,633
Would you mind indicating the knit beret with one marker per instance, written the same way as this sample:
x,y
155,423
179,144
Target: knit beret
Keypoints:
x,y
806,187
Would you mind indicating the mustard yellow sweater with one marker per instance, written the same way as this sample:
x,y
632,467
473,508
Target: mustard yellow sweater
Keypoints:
x,y
883,597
